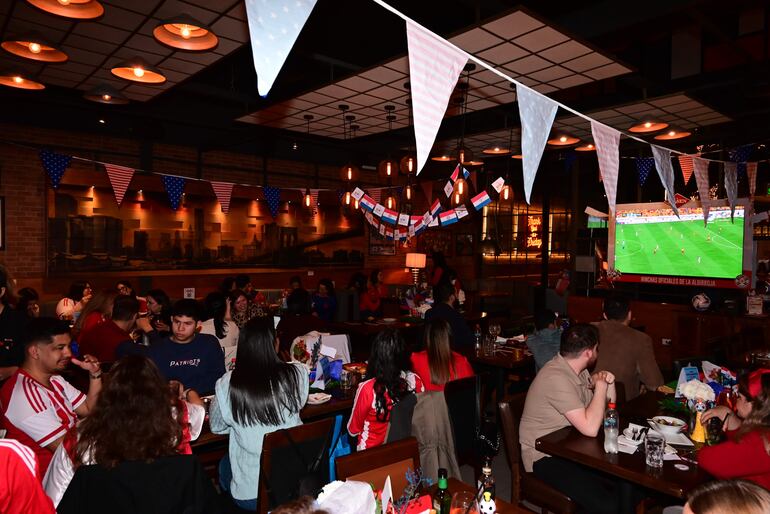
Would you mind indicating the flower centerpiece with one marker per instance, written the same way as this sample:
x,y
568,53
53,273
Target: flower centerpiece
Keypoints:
x,y
700,397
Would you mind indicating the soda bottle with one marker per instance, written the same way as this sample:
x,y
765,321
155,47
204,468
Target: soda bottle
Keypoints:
x,y
611,424
442,501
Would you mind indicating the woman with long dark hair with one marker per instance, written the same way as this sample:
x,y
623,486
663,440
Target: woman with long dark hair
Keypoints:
x,y
97,310
241,309
388,380
159,311
438,364
73,302
217,308
261,395
136,417
746,452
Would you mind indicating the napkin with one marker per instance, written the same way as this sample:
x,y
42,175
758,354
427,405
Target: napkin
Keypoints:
x,y
625,448
349,497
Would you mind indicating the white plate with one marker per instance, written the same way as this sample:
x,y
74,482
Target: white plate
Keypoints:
x,y
679,439
318,398
389,320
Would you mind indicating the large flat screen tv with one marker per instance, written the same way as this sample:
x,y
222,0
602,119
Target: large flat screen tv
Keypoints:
x,y
651,244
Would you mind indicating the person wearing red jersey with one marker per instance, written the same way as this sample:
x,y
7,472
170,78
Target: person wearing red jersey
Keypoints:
x,y
39,406
388,380
438,364
20,490
745,453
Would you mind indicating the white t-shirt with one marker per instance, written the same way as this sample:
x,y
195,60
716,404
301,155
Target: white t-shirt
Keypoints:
x,y
67,307
61,470
229,343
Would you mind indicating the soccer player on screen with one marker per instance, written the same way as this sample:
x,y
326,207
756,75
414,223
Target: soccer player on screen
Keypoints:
x,y
682,250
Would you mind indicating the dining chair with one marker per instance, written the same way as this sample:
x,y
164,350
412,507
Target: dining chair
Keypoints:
x,y
294,462
463,399
374,465
525,485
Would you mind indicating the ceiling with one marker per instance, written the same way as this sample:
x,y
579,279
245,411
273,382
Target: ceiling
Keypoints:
x,y
702,64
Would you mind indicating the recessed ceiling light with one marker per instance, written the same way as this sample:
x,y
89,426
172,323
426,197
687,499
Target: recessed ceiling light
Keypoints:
x,y
648,126
184,32
19,81
137,70
76,9
33,47
673,134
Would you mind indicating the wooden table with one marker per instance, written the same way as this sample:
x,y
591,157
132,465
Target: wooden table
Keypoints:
x,y
504,360
362,333
570,444
503,507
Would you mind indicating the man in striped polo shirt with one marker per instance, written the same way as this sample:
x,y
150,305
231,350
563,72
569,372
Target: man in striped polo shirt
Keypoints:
x,y
38,405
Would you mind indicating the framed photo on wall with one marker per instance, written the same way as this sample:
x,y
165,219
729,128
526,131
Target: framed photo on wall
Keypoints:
x,y
378,245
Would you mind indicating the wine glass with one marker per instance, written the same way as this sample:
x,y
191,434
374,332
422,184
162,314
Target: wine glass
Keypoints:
x,y
464,502
494,329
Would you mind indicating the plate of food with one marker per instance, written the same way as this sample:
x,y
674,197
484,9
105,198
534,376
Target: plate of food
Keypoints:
x,y
318,398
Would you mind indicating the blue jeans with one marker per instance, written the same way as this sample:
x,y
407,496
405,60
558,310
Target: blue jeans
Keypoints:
x,y
225,477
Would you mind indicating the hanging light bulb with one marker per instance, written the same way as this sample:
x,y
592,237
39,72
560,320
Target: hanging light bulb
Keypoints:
x,y
18,79
389,169
347,198
307,198
506,193
408,192
350,173
355,203
460,185
64,2
34,48
185,31
390,202
457,198
461,155
138,72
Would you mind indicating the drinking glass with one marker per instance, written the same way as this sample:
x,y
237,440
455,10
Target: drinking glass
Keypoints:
x,y
488,346
494,329
654,447
464,502
345,379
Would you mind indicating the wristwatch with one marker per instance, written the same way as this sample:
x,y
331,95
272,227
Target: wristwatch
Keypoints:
x,y
96,376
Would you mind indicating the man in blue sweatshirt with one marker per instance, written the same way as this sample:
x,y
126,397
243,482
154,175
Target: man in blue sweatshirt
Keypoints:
x,y
194,359
544,343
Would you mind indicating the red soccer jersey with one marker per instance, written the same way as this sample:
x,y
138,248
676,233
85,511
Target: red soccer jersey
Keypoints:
x,y
363,421
20,489
461,368
747,459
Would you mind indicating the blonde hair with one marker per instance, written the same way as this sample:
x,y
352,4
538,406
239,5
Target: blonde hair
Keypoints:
x,y
729,497
437,336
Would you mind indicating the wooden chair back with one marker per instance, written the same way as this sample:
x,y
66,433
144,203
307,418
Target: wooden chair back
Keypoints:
x,y
374,465
510,414
463,399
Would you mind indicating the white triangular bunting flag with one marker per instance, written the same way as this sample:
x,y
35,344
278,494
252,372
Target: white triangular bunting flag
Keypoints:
x,y
120,178
537,113
731,184
224,192
274,27
607,141
434,66
751,171
701,172
665,170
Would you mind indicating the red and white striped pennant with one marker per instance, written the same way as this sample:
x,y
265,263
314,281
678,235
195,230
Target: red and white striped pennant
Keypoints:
x,y
224,192
685,162
120,178
606,140
434,66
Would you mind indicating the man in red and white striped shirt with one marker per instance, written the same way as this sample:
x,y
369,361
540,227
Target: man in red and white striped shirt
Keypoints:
x,y
20,489
38,405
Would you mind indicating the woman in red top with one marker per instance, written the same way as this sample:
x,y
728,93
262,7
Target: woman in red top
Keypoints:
x,y
746,453
438,364
369,300
388,380
98,309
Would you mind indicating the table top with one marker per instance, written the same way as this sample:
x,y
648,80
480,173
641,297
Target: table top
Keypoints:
x,y
570,444
506,358
503,507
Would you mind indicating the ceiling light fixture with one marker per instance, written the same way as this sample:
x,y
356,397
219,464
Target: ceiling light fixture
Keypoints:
x,y
672,134
648,126
496,150
563,140
441,158
33,47
517,156
184,32
19,81
105,94
586,148
75,9
138,70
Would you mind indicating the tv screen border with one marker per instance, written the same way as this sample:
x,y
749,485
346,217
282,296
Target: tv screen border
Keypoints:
x,y
743,281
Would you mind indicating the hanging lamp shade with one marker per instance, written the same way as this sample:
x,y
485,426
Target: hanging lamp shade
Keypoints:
x,y
444,157
184,32
672,134
517,156
463,154
33,47
19,80
137,70
496,150
388,169
105,94
75,9
588,147
563,140
648,126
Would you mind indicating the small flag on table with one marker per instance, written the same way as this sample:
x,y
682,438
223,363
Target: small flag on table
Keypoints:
x,y
389,216
273,199
367,202
448,217
435,208
480,200
224,193
55,164
174,189
120,177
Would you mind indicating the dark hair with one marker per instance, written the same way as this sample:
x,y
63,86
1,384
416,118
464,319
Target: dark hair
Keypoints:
x,y
298,302
438,335
302,505
234,295
103,302
262,386
43,330
616,307
241,281
328,284
227,284
442,292
720,496
358,282
544,318
215,307
5,281
373,276
160,296
24,297
125,283
578,338
388,359
759,418
125,308
187,307
76,290
136,395
295,279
